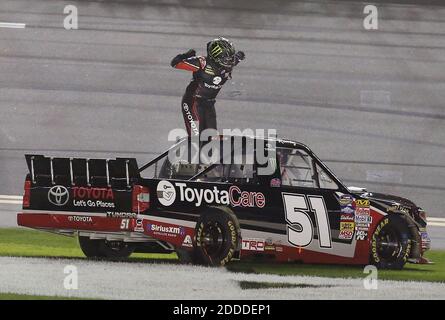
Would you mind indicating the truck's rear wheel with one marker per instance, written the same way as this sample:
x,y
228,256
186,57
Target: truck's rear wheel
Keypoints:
x,y
390,243
105,249
90,248
216,237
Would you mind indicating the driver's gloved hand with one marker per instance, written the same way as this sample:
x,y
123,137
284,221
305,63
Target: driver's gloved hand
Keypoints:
x,y
190,53
240,55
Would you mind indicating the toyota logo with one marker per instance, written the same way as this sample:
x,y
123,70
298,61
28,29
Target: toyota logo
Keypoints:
x,y
58,195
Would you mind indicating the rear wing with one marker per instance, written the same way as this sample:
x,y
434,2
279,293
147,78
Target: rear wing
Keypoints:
x,y
114,173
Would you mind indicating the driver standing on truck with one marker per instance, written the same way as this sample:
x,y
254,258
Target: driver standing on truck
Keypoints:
x,y
209,75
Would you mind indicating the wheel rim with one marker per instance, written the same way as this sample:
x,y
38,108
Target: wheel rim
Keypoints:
x,y
389,245
212,239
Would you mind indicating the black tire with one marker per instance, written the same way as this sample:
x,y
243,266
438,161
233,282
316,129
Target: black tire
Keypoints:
x,y
390,243
217,235
90,248
100,249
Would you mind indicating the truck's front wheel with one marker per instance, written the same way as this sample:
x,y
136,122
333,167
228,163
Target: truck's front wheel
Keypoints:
x,y
390,243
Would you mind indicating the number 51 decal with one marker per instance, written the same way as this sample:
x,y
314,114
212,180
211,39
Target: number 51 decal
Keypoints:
x,y
300,229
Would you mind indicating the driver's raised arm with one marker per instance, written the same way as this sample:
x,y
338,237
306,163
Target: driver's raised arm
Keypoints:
x,y
187,61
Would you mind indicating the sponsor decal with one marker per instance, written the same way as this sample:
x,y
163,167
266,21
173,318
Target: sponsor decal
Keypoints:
x,y
80,219
93,204
211,86
253,244
269,245
58,195
362,211
246,198
363,219
347,210
398,207
346,230
168,231
347,217
346,200
361,235
166,193
93,193
139,226
93,197
279,249
217,80
114,214
347,204
190,119
362,203
235,197
347,225
346,234
187,242
275,183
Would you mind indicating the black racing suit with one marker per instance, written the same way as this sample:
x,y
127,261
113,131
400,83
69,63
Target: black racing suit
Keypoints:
x,y
198,102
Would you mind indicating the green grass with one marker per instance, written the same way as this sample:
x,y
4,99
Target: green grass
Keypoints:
x,y
411,272
14,296
30,243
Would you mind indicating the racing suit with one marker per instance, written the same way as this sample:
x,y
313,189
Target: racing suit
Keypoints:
x,y
198,102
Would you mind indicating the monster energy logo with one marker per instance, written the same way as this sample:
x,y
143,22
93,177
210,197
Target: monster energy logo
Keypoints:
x,y
216,51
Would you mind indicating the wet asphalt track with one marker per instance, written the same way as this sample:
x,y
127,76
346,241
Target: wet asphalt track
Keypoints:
x,y
370,103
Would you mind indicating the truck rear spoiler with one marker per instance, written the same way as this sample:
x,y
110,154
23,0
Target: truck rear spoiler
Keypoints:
x,y
47,171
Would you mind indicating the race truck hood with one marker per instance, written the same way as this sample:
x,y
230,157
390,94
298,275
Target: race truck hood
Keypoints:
x,y
391,203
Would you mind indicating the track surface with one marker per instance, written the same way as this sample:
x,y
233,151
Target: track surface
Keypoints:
x,y
155,281
371,103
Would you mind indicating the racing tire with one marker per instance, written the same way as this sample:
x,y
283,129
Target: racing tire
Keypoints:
x,y
390,243
217,236
90,248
